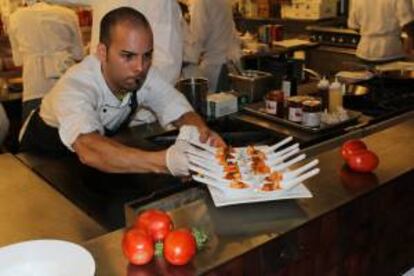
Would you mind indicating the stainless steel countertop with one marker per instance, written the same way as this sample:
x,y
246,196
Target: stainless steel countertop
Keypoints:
x,y
237,229
31,209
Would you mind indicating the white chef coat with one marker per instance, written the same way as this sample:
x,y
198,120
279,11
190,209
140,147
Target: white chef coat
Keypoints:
x,y
46,40
81,102
213,36
380,23
164,17
4,124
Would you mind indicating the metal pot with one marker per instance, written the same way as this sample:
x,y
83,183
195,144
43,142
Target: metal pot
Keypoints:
x,y
195,90
255,84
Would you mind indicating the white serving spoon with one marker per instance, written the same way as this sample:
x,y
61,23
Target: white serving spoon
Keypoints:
x,y
273,161
214,175
294,173
283,151
204,146
278,145
290,183
287,164
208,166
210,182
201,154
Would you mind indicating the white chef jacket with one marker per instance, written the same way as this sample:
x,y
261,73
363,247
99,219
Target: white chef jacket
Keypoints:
x,y
4,124
81,102
380,23
164,17
46,40
213,35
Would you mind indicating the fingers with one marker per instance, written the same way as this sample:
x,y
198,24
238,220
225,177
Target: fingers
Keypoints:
x,y
214,140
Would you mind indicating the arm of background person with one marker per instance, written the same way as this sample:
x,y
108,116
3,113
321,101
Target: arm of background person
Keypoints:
x,y
14,43
77,49
409,41
353,18
405,16
168,39
107,155
198,32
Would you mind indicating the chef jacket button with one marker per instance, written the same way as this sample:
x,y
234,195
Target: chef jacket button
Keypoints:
x,y
104,110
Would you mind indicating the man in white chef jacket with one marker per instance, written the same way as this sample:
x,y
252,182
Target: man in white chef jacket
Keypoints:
x,y
46,40
164,17
100,95
212,39
380,24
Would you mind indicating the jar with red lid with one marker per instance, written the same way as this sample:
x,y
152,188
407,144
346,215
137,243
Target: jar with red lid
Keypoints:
x,y
274,103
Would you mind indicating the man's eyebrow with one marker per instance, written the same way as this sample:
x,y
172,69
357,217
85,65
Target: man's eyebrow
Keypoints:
x,y
128,52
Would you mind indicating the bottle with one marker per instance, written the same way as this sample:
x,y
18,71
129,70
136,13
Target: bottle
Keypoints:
x,y
289,83
323,92
335,96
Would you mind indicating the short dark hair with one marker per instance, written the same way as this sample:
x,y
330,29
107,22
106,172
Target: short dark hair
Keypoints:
x,y
117,16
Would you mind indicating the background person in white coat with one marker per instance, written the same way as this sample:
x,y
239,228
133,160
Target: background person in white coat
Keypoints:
x,y
46,40
380,24
164,17
4,124
213,39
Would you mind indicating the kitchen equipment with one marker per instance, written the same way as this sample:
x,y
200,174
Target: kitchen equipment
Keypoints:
x,y
195,90
334,35
252,83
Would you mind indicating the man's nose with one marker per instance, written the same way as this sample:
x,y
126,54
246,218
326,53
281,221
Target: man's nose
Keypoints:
x,y
138,64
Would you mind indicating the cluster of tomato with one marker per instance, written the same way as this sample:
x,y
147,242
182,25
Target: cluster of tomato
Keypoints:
x,y
153,234
358,157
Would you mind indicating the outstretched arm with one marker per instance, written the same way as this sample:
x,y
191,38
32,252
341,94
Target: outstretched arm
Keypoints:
x,y
108,155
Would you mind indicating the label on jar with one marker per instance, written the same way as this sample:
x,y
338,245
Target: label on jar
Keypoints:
x,y
311,119
271,107
295,114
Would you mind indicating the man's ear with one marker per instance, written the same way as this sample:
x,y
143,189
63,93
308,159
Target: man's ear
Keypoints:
x,y
101,51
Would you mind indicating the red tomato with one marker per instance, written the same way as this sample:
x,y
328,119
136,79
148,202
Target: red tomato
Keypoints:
x,y
363,161
156,222
350,147
179,247
138,246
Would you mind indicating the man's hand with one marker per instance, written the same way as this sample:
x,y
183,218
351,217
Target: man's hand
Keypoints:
x,y
207,135
176,158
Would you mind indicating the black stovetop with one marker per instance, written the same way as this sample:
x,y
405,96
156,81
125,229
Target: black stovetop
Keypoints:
x,y
387,98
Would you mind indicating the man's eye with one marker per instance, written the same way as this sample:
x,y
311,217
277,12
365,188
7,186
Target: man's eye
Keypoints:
x,y
127,56
147,56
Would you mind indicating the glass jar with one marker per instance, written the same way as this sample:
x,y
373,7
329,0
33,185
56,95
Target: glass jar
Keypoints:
x,y
294,105
274,103
311,113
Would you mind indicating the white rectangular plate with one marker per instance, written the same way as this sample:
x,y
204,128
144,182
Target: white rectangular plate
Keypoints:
x,y
220,199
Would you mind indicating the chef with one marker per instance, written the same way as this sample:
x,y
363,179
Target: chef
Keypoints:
x,y
213,39
100,95
164,17
380,24
46,40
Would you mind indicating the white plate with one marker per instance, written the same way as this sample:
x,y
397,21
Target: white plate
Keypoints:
x,y
46,258
220,199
